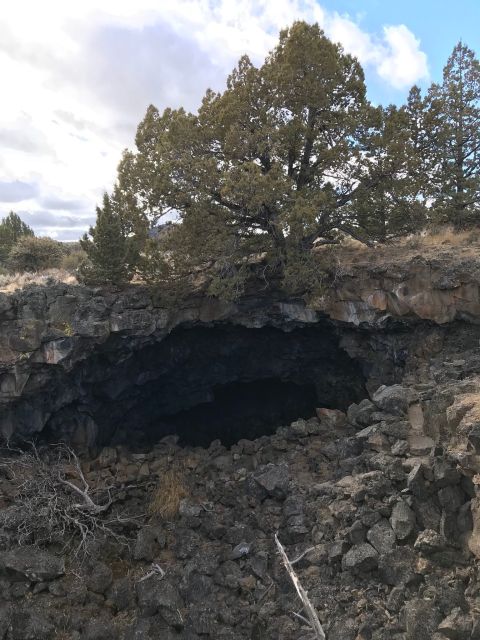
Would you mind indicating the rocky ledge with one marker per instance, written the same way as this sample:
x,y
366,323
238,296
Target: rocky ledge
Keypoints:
x,y
62,345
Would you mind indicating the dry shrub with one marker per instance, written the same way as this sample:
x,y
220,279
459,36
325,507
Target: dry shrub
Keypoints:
x,y
52,501
169,492
74,260
12,281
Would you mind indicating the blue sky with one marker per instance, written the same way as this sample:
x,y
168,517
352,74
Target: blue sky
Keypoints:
x,y
439,25
80,76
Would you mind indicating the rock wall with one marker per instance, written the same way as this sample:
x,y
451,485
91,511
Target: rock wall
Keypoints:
x,y
386,318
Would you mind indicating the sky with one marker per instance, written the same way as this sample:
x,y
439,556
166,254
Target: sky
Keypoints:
x,y
77,77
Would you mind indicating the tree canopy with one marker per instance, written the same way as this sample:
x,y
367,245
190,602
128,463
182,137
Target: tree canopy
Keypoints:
x,y
290,154
456,172
12,228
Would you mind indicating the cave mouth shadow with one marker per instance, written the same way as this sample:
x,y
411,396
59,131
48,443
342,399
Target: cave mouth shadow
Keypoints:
x,y
204,383
239,410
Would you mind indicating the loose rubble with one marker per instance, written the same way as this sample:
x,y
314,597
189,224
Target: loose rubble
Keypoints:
x,y
378,513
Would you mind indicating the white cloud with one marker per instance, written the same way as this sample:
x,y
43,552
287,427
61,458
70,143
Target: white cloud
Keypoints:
x,y
80,76
404,63
395,55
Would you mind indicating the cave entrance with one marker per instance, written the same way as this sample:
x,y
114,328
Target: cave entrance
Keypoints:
x,y
241,410
223,382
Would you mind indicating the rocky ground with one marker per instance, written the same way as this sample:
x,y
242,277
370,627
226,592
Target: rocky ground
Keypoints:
x,y
378,507
377,511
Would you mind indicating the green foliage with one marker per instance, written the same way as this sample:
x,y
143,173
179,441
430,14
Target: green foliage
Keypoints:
x,y
456,175
35,254
291,154
74,261
12,228
397,206
278,155
153,264
107,248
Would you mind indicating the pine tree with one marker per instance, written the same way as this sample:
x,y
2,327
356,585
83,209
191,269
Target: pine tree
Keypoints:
x,y
457,173
107,248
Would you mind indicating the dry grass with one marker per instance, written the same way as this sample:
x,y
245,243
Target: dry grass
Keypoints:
x,y
169,492
12,281
432,243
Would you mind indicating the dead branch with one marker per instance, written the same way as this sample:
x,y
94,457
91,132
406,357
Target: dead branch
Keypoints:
x,y
156,570
301,556
89,504
311,615
46,508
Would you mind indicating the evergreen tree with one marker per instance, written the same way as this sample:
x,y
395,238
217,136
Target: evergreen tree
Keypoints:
x,y
107,248
269,165
12,228
402,160
457,172
388,208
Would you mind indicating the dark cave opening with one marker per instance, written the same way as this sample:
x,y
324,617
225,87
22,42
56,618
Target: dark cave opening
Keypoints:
x,y
205,383
241,410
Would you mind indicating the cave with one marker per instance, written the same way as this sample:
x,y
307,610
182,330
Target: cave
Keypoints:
x,y
204,383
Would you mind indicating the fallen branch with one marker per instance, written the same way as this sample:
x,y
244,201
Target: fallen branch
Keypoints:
x,y
311,615
301,556
89,505
156,569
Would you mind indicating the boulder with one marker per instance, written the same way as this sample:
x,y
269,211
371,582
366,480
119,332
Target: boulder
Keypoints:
x,y
402,520
397,567
158,595
33,564
148,543
429,541
99,577
30,624
361,557
270,480
121,594
381,536
392,399
361,414
416,482
421,619
101,628
332,419
457,626
444,474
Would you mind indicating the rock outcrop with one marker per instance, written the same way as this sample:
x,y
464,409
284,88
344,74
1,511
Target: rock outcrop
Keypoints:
x,y
375,494
60,345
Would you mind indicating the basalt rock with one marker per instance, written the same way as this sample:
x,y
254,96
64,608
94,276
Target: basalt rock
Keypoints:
x,y
102,362
347,429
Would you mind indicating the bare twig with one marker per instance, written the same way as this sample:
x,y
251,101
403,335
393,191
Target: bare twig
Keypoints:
x,y
301,556
311,614
156,569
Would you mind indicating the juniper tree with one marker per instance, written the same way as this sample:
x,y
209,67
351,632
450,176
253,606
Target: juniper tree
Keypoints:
x,y
35,254
402,158
107,247
457,172
269,165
